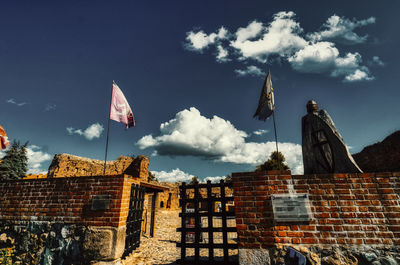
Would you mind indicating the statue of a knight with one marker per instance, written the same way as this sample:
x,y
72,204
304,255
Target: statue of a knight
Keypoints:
x,y
324,150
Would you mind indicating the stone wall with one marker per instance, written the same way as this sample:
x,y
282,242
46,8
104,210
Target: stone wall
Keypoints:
x,y
348,210
326,255
66,165
169,200
46,221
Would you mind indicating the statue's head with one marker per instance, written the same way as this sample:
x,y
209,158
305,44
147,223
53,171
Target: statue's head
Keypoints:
x,y
311,106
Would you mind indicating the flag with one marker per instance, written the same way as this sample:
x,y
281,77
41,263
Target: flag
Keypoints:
x,y
120,110
266,104
3,139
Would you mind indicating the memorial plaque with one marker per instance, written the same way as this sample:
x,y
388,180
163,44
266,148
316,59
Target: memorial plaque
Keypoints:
x,y
291,207
100,202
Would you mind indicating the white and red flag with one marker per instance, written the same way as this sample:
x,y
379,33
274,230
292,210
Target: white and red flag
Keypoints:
x,y
120,110
4,142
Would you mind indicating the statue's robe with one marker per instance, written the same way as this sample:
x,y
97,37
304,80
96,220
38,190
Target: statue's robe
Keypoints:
x,y
324,150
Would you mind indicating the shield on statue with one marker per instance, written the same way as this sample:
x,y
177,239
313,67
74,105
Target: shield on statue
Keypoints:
x,y
324,155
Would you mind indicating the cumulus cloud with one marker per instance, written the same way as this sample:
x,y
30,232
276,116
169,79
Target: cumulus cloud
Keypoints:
x,y
249,32
341,30
324,57
260,132
191,134
284,40
222,54
91,132
200,40
175,175
357,76
12,101
251,70
36,158
281,37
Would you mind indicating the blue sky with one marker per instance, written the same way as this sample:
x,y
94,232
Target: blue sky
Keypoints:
x,y
192,73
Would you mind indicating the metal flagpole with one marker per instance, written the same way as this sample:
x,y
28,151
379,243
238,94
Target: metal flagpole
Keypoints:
x,y
108,131
276,138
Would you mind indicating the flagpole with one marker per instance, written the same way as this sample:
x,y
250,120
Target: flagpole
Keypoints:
x,y
276,138
108,132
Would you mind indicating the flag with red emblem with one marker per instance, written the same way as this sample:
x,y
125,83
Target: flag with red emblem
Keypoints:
x,y
4,142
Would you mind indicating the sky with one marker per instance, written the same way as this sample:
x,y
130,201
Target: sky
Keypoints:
x,y
192,71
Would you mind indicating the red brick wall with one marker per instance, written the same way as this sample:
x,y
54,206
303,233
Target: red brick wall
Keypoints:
x,y
350,209
66,200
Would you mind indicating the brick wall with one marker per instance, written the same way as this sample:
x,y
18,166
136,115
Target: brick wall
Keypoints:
x,y
347,209
66,200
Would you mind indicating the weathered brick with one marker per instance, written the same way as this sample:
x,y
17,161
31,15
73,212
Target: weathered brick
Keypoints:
x,y
294,234
282,240
281,233
309,240
327,241
325,228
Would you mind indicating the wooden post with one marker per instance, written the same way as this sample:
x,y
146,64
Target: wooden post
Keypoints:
x,y
210,204
183,222
197,223
224,225
153,213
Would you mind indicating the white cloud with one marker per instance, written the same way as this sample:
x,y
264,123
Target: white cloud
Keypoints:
x,y
257,153
377,61
323,57
175,175
35,159
315,58
284,40
222,54
357,76
249,32
191,134
281,37
340,29
91,132
260,132
222,33
12,101
214,179
251,70
200,40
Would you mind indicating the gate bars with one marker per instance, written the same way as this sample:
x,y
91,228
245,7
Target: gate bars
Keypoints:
x,y
134,220
196,213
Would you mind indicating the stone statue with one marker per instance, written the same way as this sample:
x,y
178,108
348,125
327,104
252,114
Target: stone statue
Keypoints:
x,y
324,150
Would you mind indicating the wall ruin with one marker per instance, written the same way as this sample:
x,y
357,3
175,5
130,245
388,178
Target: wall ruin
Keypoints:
x,y
66,165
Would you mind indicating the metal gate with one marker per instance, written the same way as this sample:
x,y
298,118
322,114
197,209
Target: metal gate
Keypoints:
x,y
134,220
206,223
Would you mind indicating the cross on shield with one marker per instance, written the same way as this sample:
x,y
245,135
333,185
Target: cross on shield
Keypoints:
x,y
320,141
